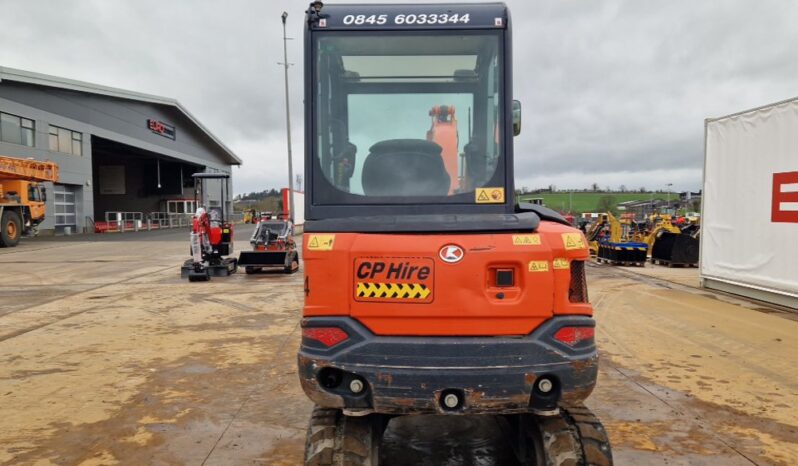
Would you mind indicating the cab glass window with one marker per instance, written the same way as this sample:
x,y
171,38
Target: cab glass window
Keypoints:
x,y
400,117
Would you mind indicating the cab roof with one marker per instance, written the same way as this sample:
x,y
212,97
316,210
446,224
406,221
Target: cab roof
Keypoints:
x,y
424,16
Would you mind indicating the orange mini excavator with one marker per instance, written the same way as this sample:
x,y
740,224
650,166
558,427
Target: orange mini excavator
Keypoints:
x,y
428,290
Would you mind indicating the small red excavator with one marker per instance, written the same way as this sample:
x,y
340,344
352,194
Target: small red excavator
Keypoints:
x,y
211,234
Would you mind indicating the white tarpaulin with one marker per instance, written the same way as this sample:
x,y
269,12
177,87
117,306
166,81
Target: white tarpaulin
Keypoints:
x,y
749,226
299,205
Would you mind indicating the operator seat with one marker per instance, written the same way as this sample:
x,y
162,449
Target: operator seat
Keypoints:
x,y
405,167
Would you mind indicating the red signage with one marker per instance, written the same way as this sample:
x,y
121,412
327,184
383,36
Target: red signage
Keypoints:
x,y
161,128
785,198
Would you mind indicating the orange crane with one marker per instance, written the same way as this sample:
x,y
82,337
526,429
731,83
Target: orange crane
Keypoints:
x,y
22,197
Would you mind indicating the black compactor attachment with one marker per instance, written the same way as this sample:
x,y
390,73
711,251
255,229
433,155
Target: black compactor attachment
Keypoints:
x,y
675,249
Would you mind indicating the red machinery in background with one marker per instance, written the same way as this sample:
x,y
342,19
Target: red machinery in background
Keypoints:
x,y
273,246
211,234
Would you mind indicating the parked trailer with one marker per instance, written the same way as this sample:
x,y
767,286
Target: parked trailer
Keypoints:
x,y
749,220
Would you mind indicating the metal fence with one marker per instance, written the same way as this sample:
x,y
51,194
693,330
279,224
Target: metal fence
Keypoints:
x,y
120,222
169,220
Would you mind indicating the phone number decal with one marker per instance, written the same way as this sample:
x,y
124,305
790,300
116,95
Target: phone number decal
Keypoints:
x,y
422,18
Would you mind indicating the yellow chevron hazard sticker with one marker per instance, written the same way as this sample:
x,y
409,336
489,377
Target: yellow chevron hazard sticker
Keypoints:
x,y
538,266
408,292
526,240
573,241
320,242
561,264
489,195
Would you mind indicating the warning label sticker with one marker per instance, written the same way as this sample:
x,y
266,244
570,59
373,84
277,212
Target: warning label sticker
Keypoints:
x,y
561,263
526,240
489,195
573,241
392,291
394,279
320,242
538,266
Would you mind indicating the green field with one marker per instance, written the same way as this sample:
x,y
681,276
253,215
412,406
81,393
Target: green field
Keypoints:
x,y
588,202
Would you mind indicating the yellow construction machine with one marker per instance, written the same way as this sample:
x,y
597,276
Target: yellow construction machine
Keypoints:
x,y
659,223
619,245
670,245
22,197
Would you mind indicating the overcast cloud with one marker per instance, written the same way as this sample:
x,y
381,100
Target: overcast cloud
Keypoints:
x,y
614,92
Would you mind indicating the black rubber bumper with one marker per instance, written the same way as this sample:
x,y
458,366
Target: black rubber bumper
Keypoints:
x,y
402,375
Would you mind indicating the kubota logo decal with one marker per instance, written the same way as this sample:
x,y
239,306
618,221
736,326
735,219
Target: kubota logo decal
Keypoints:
x,y
451,253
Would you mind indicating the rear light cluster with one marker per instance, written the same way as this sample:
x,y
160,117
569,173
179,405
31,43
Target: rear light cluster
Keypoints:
x,y
573,336
328,336
577,290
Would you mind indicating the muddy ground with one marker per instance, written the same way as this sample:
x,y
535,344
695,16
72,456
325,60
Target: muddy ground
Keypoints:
x,y
108,357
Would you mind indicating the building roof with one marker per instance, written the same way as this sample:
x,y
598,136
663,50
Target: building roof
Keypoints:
x,y
29,77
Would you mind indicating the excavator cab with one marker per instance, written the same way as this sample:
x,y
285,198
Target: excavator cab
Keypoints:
x,y
427,289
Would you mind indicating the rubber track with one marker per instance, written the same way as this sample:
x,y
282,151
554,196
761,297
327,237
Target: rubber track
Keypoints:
x,y
337,440
588,433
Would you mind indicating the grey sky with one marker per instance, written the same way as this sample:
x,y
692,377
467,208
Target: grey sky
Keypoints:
x,y
614,92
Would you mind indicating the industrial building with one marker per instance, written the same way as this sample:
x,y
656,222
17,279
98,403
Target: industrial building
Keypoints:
x,y
119,152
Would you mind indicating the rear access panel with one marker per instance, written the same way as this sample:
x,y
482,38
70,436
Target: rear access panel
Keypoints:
x,y
394,279
446,284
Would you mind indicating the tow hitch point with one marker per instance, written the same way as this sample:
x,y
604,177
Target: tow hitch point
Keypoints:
x,y
452,399
545,385
356,386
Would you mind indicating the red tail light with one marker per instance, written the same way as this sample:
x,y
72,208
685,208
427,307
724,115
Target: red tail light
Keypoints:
x,y
328,336
572,336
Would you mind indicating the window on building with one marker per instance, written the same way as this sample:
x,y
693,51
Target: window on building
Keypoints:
x,y
17,130
66,141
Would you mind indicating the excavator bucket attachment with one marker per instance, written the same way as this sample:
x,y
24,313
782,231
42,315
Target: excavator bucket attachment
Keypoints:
x,y
262,258
675,249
